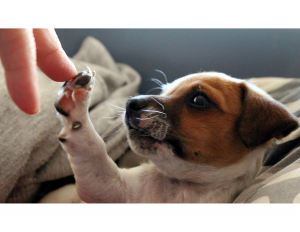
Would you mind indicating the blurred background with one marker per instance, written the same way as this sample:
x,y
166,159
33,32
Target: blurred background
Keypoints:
x,y
241,53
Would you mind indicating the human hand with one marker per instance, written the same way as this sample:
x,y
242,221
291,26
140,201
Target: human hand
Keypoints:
x,y
20,51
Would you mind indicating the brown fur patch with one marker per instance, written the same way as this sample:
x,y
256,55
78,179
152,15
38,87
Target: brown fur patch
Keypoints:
x,y
213,133
263,119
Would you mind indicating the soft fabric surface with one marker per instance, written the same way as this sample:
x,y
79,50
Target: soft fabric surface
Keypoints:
x,y
279,179
30,153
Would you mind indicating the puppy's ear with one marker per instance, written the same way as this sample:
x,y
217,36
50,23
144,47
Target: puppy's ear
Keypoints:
x,y
263,118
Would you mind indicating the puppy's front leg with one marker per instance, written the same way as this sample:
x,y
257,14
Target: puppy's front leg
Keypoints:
x,y
97,177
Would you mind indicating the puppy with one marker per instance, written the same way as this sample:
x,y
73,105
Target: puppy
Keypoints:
x,y
205,136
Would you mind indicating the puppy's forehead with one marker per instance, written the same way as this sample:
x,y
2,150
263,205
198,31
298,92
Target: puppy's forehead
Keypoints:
x,y
218,81
223,90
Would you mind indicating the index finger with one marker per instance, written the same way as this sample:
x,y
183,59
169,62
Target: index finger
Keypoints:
x,y
51,58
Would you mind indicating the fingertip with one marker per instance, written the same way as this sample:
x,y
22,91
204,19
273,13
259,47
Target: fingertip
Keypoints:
x,y
27,105
59,67
67,70
26,101
51,58
31,111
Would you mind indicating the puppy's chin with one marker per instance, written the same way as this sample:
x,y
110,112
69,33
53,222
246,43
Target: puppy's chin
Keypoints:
x,y
142,143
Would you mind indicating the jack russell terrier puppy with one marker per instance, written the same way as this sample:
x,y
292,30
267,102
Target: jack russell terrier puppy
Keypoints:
x,y
205,136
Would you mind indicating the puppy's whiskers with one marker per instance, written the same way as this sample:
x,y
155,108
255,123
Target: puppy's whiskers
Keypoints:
x,y
154,89
141,119
116,116
118,124
117,107
157,82
163,108
154,111
155,116
163,75
111,133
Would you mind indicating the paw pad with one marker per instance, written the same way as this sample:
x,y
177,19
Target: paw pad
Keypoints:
x,y
76,126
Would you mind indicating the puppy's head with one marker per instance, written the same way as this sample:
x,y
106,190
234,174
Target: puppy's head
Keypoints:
x,y
209,119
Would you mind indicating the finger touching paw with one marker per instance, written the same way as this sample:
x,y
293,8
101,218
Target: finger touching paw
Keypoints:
x,y
76,91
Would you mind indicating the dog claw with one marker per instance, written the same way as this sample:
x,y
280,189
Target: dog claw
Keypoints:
x,y
73,97
89,70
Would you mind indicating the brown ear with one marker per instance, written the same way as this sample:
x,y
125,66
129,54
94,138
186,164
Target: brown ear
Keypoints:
x,y
263,118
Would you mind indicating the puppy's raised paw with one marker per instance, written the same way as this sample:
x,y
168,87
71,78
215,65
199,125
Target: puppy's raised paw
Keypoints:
x,y
75,94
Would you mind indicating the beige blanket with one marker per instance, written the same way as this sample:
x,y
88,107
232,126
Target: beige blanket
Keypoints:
x,y
30,153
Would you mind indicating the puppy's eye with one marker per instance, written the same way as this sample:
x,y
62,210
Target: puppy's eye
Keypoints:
x,y
200,101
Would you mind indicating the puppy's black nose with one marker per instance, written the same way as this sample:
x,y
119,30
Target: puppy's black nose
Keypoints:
x,y
135,104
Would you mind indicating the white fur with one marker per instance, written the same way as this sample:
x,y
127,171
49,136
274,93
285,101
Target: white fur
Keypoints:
x,y
169,179
170,87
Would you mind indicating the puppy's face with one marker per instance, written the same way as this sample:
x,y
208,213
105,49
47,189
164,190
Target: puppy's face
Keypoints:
x,y
207,118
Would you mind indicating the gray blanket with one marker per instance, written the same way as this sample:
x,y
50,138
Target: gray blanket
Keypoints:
x,y
30,153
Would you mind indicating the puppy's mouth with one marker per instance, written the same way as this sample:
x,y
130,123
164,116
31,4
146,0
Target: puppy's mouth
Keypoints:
x,y
137,134
146,127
